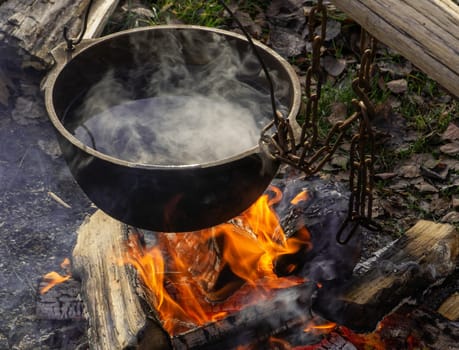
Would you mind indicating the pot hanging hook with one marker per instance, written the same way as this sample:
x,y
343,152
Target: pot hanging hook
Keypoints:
x,y
71,42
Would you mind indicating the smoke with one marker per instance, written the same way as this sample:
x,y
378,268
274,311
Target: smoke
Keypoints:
x,y
187,97
179,135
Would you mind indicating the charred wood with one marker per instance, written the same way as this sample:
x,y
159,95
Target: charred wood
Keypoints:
x,y
288,310
424,256
418,328
62,302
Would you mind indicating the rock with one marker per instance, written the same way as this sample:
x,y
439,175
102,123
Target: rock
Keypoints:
x,y
340,161
425,187
339,112
451,149
385,176
453,164
27,111
400,185
50,147
286,42
451,133
333,30
455,202
452,217
334,66
398,86
438,172
409,171
4,91
397,70
247,22
439,205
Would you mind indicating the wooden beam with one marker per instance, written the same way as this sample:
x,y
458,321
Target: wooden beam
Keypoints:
x,y
100,13
426,32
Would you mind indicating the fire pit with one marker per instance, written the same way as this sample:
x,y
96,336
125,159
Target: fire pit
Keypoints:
x,y
160,126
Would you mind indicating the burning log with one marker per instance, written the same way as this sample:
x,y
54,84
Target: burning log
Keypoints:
x,y
111,291
117,317
31,29
287,310
418,328
425,255
409,327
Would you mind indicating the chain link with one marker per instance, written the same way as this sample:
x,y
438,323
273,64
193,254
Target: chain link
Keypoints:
x,y
310,154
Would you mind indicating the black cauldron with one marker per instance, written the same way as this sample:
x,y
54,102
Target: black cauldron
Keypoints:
x,y
161,197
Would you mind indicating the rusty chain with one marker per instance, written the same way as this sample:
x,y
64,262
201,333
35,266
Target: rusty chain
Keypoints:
x,y
310,154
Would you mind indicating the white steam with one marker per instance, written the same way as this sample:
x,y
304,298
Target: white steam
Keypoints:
x,y
186,98
167,130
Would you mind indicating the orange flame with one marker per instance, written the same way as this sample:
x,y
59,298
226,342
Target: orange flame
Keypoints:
x,y
316,326
371,341
300,197
279,344
53,278
320,328
248,247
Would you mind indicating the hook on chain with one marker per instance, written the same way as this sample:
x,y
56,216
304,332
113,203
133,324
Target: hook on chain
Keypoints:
x,y
71,42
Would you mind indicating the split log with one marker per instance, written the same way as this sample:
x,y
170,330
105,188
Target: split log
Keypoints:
x,y
117,317
425,255
30,29
426,32
450,307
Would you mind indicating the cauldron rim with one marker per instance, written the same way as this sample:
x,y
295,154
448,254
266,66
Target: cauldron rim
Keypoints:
x,y
63,58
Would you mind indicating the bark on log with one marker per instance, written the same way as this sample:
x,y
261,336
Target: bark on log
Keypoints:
x,y
117,318
425,255
30,29
426,32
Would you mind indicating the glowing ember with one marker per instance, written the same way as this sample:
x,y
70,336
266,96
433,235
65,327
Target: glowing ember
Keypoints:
x,y
300,197
182,281
321,328
371,341
53,278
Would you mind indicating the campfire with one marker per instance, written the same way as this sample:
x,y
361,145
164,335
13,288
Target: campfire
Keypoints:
x,y
281,275
203,276
256,281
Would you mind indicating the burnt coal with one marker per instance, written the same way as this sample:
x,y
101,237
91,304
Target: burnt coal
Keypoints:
x,y
321,213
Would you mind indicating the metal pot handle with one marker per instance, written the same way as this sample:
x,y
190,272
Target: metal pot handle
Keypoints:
x,y
64,52
276,116
71,42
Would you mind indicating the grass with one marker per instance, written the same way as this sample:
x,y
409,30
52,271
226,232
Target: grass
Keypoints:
x,y
208,13
205,13
336,92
